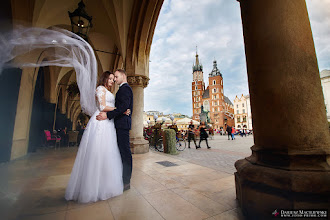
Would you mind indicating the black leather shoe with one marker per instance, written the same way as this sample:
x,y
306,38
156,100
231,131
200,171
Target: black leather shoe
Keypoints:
x,y
198,147
208,147
127,186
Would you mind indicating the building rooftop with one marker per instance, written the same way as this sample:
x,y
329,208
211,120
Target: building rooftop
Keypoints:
x,y
324,73
206,94
227,100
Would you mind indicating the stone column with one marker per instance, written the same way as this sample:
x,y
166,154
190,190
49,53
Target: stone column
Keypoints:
x,y
289,166
138,144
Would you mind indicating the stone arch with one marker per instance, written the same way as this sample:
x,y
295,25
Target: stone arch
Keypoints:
x,y
142,25
73,109
75,116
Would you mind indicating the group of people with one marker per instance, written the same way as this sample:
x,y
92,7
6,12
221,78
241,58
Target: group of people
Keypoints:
x,y
203,134
231,131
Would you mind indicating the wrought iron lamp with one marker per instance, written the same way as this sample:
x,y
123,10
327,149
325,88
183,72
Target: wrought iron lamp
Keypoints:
x,y
81,22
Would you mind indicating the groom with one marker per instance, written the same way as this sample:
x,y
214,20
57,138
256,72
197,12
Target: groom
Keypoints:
x,y
124,101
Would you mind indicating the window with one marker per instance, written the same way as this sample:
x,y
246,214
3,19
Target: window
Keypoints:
x,y
244,119
237,106
243,105
243,110
214,90
196,87
238,119
214,82
237,111
221,82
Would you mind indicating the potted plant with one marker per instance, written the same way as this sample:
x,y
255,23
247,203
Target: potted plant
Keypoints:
x,y
73,90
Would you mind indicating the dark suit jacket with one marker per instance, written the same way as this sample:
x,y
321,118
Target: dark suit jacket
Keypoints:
x,y
124,101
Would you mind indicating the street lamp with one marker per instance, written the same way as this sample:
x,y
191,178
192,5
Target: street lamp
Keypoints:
x,y
172,118
81,22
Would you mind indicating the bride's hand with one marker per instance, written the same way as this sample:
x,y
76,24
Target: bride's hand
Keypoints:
x,y
101,116
128,112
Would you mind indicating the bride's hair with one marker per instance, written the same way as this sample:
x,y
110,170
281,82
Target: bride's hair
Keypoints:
x,y
103,78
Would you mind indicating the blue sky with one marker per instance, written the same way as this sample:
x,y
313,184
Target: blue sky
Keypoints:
x,y
215,27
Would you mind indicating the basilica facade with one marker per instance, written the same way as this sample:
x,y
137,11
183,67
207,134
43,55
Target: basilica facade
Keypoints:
x,y
210,100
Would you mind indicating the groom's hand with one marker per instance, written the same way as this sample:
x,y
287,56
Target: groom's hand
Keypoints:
x,y
101,116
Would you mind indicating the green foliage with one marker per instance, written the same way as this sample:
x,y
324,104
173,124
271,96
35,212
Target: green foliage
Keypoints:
x,y
73,90
82,117
170,141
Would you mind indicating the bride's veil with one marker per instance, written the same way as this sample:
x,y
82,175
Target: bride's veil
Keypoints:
x,y
70,51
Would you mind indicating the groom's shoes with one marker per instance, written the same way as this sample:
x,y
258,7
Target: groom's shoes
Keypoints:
x,y
127,186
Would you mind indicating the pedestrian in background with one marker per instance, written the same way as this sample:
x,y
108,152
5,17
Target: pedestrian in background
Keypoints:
x,y
233,133
229,132
203,135
191,134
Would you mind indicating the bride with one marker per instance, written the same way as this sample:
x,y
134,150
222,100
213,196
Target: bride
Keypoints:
x,y
97,170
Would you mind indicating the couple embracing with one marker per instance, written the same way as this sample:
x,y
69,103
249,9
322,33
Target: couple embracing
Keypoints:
x,y
103,165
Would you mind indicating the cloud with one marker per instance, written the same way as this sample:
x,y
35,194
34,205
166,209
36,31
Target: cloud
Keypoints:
x,y
215,27
319,15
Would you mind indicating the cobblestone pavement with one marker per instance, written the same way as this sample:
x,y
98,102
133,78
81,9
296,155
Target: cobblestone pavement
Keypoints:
x,y
222,155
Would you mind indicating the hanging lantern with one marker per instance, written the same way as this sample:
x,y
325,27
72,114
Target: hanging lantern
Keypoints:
x,y
81,22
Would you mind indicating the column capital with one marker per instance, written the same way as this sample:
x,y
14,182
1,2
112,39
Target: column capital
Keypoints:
x,y
138,80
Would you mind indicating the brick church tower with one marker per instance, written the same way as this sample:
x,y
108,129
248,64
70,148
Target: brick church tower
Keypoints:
x,y
216,97
198,88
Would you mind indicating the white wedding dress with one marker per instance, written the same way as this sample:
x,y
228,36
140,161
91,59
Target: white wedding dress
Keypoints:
x,y
97,171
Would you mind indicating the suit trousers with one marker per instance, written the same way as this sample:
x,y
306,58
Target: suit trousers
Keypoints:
x,y
126,154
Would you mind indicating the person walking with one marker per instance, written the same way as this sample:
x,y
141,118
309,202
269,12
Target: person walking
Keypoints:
x,y
233,133
203,135
229,132
191,134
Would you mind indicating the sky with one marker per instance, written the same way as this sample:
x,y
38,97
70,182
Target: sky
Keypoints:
x,y
215,27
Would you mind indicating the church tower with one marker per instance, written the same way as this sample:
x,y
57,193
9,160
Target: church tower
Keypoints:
x,y
198,88
216,96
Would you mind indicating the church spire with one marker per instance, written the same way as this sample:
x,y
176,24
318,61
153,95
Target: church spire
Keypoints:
x,y
197,60
197,66
215,71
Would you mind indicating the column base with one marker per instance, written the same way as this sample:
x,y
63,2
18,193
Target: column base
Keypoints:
x,y
261,190
139,145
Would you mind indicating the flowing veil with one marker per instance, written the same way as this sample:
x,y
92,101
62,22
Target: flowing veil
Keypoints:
x,y
70,51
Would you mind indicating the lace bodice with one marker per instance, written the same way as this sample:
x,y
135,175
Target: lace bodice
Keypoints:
x,y
104,98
